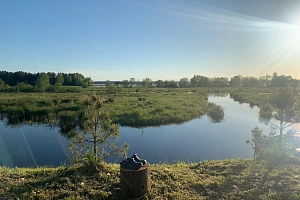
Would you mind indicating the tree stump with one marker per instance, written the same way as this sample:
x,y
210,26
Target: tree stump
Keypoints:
x,y
135,183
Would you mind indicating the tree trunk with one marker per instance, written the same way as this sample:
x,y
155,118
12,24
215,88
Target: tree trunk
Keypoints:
x,y
95,148
281,147
135,183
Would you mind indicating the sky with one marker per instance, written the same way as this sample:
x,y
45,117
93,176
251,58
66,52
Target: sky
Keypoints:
x,y
170,39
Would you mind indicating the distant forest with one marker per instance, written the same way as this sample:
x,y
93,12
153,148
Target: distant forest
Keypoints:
x,y
203,81
50,81
51,78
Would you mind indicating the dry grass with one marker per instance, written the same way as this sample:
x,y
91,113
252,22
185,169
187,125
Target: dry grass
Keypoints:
x,y
222,179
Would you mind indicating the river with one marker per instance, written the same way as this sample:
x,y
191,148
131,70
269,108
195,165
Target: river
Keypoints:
x,y
193,141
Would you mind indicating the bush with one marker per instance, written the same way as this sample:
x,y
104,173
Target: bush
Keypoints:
x,y
141,99
66,100
110,100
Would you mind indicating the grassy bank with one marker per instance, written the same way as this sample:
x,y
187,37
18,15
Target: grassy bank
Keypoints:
x,y
221,179
131,106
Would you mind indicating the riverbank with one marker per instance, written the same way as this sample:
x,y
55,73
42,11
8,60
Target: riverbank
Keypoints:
x,y
135,107
220,179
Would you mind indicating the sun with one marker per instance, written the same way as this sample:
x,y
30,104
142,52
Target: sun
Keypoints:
x,y
294,33
295,36
287,38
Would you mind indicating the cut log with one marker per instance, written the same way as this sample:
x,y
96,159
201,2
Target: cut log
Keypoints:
x,y
135,183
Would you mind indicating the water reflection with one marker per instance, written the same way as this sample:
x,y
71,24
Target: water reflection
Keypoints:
x,y
193,141
69,122
26,146
215,113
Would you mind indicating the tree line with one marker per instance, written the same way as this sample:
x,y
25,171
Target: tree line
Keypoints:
x,y
203,81
70,79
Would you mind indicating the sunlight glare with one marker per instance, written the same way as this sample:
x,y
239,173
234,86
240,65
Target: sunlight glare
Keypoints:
x,y
294,34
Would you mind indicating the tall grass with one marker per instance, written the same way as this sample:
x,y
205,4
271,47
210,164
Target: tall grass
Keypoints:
x,y
130,106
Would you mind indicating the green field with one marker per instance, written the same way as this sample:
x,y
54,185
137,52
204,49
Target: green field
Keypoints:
x,y
135,107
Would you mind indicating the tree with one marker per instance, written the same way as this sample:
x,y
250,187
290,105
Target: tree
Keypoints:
x,y
218,82
184,82
265,80
87,82
107,83
199,81
42,82
146,82
235,81
67,79
2,84
125,83
131,82
284,107
77,79
52,77
281,81
24,87
59,80
171,84
159,83
99,133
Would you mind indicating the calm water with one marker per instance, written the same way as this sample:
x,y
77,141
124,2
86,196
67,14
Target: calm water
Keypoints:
x,y
193,141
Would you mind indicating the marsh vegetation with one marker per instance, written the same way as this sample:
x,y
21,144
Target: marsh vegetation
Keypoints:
x,y
139,107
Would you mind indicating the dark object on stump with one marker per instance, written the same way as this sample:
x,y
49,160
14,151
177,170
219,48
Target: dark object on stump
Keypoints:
x,y
135,177
133,163
137,159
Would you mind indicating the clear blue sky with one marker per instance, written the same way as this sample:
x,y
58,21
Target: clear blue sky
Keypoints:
x,y
117,40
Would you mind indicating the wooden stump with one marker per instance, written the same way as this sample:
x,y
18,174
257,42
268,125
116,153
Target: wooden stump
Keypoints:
x,y
135,183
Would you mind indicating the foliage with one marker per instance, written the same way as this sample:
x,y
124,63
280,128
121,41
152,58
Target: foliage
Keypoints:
x,y
146,82
283,81
42,82
98,134
112,89
268,148
235,81
71,79
2,84
199,81
215,113
184,82
283,106
59,80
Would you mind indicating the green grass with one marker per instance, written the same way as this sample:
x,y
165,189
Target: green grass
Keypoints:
x,y
157,107
220,179
130,108
137,107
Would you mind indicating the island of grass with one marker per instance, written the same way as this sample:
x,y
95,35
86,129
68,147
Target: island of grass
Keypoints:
x,y
136,107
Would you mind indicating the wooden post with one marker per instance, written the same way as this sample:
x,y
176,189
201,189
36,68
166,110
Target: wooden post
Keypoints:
x,y
135,183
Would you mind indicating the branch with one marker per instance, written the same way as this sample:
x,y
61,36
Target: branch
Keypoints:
x,y
106,137
115,151
274,124
288,125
